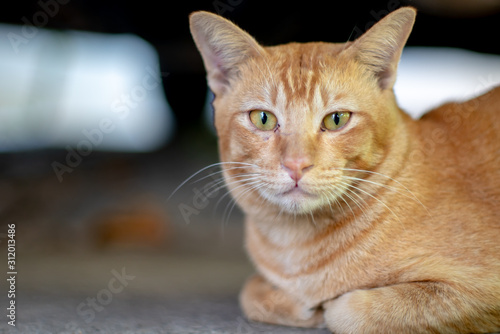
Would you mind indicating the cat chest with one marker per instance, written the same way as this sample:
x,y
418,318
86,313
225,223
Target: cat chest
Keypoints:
x,y
315,274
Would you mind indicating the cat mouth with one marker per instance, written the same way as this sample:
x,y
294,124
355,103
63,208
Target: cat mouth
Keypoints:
x,y
296,200
297,191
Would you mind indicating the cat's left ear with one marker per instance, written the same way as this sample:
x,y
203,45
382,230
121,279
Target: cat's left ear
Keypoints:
x,y
223,47
380,47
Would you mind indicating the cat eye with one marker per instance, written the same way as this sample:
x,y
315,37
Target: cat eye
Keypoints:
x,y
263,120
336,120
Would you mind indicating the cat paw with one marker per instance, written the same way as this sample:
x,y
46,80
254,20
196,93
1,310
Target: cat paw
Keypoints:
x,y
263,302
340,315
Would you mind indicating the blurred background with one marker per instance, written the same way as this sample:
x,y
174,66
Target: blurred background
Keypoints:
x,y
104,112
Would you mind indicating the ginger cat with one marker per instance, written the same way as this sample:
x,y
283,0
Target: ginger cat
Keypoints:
x,y
357,216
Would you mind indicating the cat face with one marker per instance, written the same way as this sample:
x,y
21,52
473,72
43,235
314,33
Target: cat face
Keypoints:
x,y
298,123
319,122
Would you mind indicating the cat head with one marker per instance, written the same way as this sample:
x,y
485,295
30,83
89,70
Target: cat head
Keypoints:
x,y
298,123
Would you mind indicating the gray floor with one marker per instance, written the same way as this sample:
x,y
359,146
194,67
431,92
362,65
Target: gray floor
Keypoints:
x,y
187,284
141,315
160,294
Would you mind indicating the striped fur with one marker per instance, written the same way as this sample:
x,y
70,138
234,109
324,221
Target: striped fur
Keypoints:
x,y
387,225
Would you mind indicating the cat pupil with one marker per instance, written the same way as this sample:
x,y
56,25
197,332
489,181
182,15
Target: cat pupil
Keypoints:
x,y
263,117
336,118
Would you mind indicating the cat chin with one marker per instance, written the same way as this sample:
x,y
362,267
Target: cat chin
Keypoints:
x,y
296,202
300,208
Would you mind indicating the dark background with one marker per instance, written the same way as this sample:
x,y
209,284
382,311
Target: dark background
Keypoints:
x,y
165,25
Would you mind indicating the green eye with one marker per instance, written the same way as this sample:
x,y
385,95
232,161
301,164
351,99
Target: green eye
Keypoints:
x,y
263,120
336,120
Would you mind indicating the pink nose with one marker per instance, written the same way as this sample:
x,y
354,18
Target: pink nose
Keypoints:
x,y
296,167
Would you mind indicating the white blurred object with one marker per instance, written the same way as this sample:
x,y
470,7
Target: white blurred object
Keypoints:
x,y
429,77
78,88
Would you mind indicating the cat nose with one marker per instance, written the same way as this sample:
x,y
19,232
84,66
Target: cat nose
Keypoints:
x,y
296,167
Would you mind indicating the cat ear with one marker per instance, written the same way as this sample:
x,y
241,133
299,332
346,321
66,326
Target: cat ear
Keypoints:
x,y
223,47
380,47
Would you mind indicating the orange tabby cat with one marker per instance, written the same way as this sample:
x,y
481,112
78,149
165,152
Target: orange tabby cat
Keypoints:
x,y
357,216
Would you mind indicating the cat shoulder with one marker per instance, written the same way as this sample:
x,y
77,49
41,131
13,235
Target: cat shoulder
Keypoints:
x,y
485,105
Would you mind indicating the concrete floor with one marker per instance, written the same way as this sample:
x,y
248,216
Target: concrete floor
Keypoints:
x,y
186,281
163,294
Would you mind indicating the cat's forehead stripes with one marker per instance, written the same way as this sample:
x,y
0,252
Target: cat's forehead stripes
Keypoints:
x,y
298,82
298,74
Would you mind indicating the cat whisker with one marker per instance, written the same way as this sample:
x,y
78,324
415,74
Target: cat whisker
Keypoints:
x,y
220,172
332,195
360,202
413,196
312,219
253,186
331,207
221,182
239,197
243,178
396,190
245,183
339,194
375,198
280,213
214,187
339,205
218,185
218,164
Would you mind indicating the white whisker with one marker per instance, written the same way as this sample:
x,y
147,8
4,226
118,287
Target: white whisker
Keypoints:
x,y
221,183
339,195
253,181
204,169
253,186
360,203
389,187
312,217
375,198
219,172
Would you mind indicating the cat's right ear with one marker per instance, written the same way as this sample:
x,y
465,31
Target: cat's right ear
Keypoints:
x,y
223,47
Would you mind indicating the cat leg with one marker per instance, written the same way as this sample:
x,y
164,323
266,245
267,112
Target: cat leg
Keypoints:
x,y
420,307
263,302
